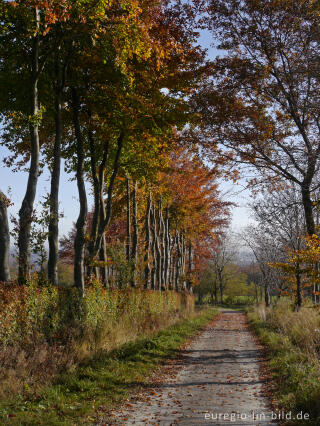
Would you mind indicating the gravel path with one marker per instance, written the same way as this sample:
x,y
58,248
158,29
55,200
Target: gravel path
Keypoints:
x,y
218,382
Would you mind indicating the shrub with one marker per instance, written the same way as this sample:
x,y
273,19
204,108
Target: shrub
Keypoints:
x,y
47,330
293,340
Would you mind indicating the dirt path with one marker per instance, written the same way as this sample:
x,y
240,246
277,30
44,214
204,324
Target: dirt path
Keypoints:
x,y
219,382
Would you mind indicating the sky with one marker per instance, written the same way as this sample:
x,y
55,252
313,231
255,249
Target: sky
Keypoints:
x,y
15,183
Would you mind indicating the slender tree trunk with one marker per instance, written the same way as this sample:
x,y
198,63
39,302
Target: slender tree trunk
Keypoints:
x,y
266,295
4,239
299,293
99,207
189,284
134,249
308,210
96,210
154,281
26,210
53,228
103,258
166,249
102,215
183,260
159,247
177,272
128,239
106,212
221,288
79,243
147,245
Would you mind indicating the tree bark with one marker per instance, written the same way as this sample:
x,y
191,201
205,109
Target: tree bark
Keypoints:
x,y
166,249
177,265
134,250
147,245
221,288
128,239
96,209
106,212
4,239
308,210
53,228
154,269
189,283
266,295
160,248
26,210
103,258
298,294
79,243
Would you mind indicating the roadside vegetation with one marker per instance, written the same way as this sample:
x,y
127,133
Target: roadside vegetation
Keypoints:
x,y
292,340
85,393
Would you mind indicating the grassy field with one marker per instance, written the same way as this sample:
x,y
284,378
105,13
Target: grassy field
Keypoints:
x,y
292,340
82,396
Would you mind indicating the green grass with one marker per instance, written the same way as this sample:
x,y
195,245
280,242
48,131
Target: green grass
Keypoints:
x,y
82,396
296,375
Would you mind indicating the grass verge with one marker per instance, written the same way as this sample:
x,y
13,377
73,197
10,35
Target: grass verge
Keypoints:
x,y
81,396
295,372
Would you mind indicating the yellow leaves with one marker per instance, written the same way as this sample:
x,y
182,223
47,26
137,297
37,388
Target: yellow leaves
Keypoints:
x,y
302,262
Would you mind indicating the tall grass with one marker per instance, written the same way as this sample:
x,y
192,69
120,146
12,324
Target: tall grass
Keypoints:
x,y
293,341
47,330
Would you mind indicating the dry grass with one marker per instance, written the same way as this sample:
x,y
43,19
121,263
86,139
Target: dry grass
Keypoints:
x,y
302,328
46,339
293,342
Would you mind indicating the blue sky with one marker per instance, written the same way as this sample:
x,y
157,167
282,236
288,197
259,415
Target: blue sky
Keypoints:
x,y
17,181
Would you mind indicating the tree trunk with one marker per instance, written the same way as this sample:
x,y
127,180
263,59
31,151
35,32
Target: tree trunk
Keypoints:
x,y
79,243
189,282
266,295
134,249
177,272
166,249
299,294
106,212
308,210
221,289
99,207
128,239
53,228
96,210
159,247
103,258
4,239
154,269
26,210
147,245
183,260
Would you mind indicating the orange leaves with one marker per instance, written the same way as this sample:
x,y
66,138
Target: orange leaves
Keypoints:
x,y
302,263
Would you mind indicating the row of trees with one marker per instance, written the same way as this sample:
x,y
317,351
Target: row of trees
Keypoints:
x,y
117,88
105,87
259,108
286,256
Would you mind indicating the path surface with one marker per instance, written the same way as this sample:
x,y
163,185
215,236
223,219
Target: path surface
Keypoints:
x,y
219,382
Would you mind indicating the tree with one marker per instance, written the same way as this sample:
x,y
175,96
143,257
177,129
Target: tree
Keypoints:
x,y
261,100
221,259
4,239
24,49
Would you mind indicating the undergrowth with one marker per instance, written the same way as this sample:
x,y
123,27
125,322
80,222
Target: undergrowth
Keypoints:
x,y
84,395
293,343
48,330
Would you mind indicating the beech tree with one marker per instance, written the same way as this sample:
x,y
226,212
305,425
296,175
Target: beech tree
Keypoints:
x,y
4,239
25,46
260,101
